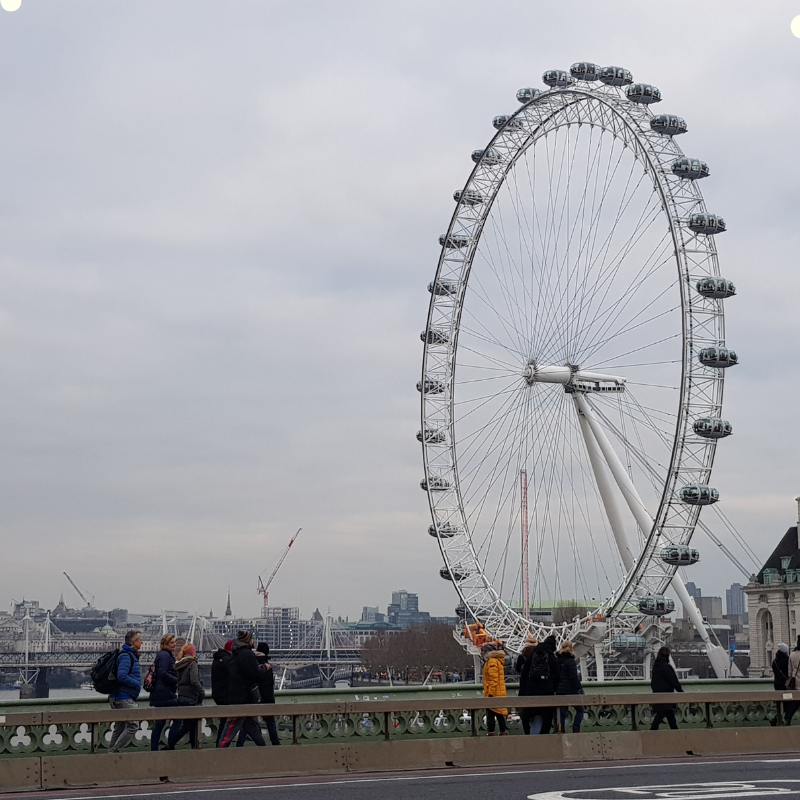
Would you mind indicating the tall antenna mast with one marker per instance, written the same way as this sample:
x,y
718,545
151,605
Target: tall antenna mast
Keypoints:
x,y
526,592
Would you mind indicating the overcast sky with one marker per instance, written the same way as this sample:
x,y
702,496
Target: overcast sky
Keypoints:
x,y
217,221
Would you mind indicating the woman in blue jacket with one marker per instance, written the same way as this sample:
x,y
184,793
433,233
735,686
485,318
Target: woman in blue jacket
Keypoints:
x,y
164,685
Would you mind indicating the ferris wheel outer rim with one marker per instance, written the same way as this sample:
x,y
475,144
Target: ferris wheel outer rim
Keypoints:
x,y
612,99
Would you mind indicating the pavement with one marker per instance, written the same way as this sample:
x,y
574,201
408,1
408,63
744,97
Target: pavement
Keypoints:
x,y
681,779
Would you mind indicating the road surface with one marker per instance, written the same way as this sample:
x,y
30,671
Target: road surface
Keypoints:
x,y
684,779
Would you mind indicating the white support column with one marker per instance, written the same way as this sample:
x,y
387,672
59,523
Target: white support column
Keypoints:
x,y
716,654
606,492
598,662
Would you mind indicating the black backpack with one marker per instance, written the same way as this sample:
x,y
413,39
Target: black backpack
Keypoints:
x,y
104,672
539,672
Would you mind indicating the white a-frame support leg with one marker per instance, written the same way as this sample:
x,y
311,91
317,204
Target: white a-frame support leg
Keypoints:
x,y
716,654
606,492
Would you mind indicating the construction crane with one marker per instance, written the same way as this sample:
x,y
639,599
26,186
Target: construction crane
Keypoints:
x,y
263,588
89,603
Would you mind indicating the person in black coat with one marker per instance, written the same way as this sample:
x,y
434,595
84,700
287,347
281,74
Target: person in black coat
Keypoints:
x,y
664,679
780,674
522,659
266,687
164,685
570,683
540,677
220,674
243,678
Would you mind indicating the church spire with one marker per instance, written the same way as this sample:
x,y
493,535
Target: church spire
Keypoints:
x,y
228,612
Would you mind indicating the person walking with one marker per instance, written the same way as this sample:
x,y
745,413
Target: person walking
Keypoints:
x,y
780,674
664,679
494,685
165,682
242,690
266,688
190,693
220,676
793,683
129,676
541,677
569,683
523,658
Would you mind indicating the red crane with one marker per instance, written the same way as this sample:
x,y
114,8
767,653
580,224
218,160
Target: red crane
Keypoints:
x,y
263,588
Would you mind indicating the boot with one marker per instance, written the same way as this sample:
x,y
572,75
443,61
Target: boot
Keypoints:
x,y
490,734
576,728
504,733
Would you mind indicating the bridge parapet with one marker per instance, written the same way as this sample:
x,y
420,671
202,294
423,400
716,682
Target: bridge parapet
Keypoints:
x,y
435,716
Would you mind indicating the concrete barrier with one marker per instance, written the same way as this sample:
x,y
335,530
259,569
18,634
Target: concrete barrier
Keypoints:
x,y
121,769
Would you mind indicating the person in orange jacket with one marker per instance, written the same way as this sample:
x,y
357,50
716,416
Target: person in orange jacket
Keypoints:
x,y
494,685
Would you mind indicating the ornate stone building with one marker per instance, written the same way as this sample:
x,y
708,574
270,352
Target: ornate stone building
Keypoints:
x,y
773,602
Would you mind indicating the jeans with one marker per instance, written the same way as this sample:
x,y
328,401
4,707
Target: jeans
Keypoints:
x,y
535,724
272,730
576,723
541,721
180,727
123,731
158,725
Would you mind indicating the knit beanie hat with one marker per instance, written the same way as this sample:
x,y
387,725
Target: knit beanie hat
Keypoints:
x,y
228,646
245,637
188,650
784,648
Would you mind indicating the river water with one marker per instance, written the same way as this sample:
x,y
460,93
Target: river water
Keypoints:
x,y
87,694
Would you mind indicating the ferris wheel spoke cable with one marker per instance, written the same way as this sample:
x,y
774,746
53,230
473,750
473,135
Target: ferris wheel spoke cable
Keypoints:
x,y
606,267
608,316
607,274
604,276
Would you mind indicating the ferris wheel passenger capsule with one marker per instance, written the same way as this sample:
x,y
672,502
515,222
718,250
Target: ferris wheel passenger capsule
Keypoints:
x,y
668,124
443,288
527,94
690,168
716,288
452,575
557,77
712,428
446,531
656,605
709,224
643,93
628,642
488,156
719,357
679,555
584,71
431,436
454,241
434,483
699,494
615,76
431,386
435,336
506,121
469,197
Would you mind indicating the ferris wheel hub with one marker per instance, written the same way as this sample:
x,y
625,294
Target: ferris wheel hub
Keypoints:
x,y
572,378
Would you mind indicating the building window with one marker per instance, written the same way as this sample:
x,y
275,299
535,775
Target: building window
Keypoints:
x,y
794,617
763,598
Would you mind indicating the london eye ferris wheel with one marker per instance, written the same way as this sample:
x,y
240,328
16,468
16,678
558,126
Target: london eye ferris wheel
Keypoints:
x,y
574,355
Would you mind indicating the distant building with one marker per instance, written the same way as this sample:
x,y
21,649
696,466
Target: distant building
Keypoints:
x,y
371,614
710,608
773,602
736,600
693,589
404,611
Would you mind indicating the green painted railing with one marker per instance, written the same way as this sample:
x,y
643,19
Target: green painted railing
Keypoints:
x,y
67,726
